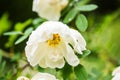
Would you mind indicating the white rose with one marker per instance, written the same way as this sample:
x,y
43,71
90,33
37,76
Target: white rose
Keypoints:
x,y
116,74
50,43
39,76
49,9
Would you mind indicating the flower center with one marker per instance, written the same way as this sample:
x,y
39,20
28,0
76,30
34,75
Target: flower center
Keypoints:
x,y
55,40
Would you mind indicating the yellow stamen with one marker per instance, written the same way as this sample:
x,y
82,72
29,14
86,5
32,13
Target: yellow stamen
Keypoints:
x,y
55,41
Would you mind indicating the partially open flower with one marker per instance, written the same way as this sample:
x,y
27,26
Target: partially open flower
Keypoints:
x,y
51,43
39,76
116,74
49,9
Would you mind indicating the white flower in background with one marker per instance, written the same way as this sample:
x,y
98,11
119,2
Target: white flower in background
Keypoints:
x,y
116,74
22,78
50,43
49,9
43,76
39,76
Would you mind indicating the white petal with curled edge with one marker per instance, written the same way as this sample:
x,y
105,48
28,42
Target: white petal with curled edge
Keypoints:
x,y
55,64
70,56
80,42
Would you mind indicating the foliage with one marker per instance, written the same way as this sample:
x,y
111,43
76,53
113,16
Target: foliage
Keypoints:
x,y
101,33
19,27
5,24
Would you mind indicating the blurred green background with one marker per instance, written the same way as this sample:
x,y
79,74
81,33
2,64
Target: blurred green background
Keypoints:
x,y
102,36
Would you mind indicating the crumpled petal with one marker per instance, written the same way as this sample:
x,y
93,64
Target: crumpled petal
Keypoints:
x,y
70,57
42,63
80,43
39,76
55,64
55,58
50,27
43,76
37,37
35,53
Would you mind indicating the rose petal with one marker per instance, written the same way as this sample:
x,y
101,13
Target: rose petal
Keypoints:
x,y
43,76
42,63
80,42
70,56
55,58
34,56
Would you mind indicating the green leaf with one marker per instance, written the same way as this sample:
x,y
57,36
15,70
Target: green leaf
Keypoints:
x,y
51,71
70,16
82,2
2,66
21,39
37,21
16,57
40,69
5,24
26,34
86,53
80,72
0,58
13,33
81,22
28,31
21,26
87,7
66,71
18,27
